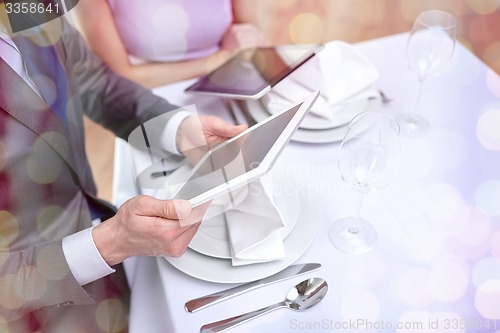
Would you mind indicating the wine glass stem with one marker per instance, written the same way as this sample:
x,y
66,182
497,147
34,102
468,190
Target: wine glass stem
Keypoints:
x,y
354,228
419,94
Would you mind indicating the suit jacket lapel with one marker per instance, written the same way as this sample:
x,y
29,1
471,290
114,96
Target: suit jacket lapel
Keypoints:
x,y
43,62
21,102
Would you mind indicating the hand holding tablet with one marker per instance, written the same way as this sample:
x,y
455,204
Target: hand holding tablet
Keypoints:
x,y
244,157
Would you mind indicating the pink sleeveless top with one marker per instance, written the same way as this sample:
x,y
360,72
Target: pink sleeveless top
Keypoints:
x,y
171,30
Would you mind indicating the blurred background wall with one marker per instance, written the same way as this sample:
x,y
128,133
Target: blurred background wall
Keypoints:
x,y
317,21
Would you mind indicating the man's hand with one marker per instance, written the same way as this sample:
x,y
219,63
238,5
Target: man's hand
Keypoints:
x,y
196,135
145,226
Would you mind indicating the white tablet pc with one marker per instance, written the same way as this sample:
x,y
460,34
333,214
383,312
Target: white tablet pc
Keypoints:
x,y
253,72
244,157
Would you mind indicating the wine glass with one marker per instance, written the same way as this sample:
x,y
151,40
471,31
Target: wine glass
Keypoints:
x,y
428,51
368,160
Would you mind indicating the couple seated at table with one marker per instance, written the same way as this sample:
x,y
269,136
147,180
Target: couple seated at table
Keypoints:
x,y
168,41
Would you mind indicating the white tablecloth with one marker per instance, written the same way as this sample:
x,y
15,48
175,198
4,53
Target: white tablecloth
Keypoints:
x,y
436,265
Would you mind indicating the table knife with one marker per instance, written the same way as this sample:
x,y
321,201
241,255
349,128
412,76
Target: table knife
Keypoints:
x,y
289,272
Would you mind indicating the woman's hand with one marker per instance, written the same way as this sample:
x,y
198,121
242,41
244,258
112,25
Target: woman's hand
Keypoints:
x,y
241,36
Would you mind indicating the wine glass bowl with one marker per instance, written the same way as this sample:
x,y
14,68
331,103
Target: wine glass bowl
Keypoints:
x,y
431,43
429,49
368,161
368,151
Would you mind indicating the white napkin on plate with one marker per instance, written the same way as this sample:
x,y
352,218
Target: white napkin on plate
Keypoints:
x,y
339,71
253,221
254,226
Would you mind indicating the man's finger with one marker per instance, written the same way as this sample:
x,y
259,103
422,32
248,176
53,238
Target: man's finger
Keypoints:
x,y
196,215
227,130
171,209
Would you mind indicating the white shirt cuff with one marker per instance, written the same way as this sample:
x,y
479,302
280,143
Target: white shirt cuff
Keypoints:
x,y
84,260
169,134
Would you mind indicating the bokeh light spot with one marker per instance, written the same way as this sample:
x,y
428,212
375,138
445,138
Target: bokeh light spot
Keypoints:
x,y
443,201
487,197
9,229
488,129
45,221
483,6
477,228
30,284
114,309
484,270
495,244
448,280
43,164
46,259
9,298
306,28
487,299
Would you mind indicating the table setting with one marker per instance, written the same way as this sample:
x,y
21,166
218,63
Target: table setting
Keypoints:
x,y
340,100
433,263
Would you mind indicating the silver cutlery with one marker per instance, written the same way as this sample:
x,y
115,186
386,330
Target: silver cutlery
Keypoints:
x,y
229,108
244,111
303,296
289,272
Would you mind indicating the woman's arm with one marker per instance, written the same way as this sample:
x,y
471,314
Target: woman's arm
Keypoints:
x,y
97,24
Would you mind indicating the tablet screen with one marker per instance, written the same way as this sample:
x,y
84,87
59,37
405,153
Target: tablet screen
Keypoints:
x,y
253,70
235,158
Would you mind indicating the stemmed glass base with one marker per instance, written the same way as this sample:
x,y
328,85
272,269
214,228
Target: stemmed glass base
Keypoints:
x,y
412,124
352,235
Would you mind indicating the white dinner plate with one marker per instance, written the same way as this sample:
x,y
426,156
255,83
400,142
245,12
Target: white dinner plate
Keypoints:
x,y
328,135
221,270
212,239
344,112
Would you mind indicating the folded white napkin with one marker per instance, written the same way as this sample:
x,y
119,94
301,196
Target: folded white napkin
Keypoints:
x,y
253,222
339,71
254,226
